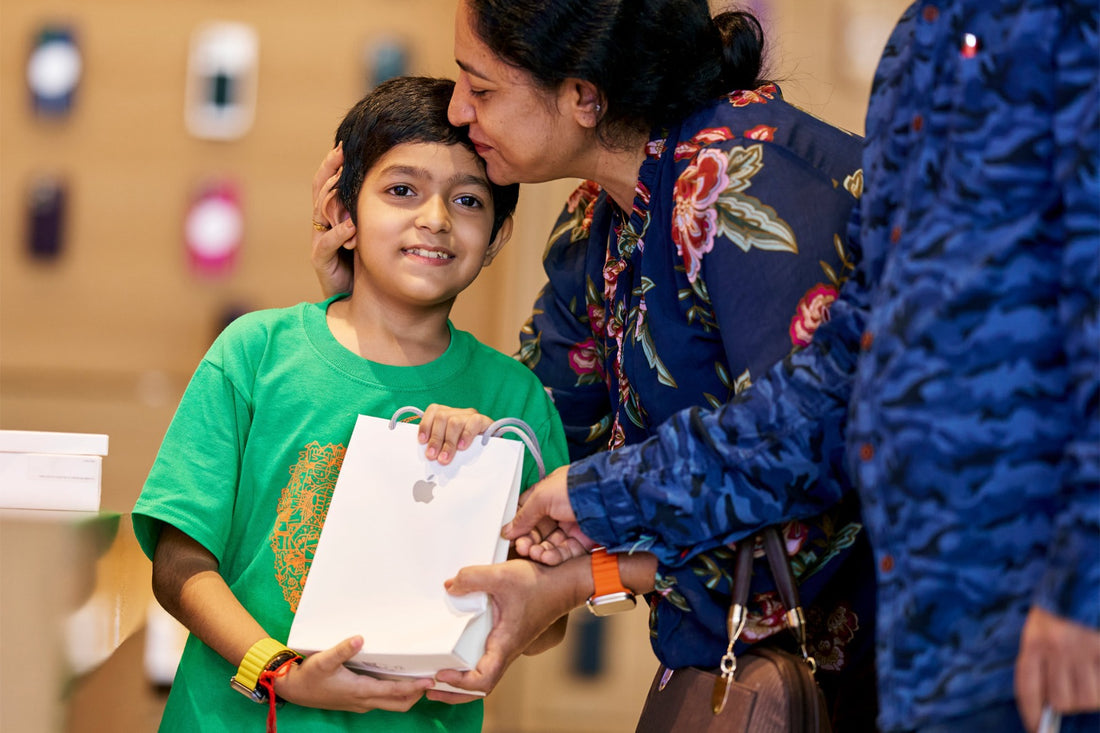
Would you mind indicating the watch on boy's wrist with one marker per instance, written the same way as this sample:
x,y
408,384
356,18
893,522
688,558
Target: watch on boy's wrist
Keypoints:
x,y
610,596
265,655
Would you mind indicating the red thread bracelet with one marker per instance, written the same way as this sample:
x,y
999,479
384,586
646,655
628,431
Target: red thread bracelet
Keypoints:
x,y
267,681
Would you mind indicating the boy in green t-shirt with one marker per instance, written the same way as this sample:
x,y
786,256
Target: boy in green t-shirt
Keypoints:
x,y
233,505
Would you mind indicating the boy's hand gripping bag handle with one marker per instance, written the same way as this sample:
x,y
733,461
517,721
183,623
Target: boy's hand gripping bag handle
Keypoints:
x,y
495,430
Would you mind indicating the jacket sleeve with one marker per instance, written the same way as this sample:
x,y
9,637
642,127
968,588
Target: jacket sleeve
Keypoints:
x,y
1069,585
710,477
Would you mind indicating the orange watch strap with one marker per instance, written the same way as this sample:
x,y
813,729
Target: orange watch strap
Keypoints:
x,y
605,573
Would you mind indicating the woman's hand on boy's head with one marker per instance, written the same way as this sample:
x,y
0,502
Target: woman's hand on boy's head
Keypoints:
x,y
322,681
332,227
447,430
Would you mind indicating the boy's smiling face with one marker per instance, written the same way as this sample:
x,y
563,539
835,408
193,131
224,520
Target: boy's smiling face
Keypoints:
x,y
425,215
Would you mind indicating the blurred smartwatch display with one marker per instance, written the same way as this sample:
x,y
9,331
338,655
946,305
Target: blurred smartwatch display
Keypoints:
x,y
53,71
214,228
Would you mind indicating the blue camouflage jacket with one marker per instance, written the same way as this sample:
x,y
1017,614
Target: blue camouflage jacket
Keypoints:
x,y
957,380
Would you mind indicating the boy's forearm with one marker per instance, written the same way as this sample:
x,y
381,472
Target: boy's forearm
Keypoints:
x,y
187,584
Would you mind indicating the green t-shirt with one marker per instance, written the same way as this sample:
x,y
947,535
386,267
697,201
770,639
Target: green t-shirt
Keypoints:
x,y
248,466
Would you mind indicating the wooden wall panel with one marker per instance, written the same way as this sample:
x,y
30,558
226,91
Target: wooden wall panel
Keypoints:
x,y
119,318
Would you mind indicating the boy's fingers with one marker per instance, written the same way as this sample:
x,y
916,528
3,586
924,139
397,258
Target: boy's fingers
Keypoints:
x,y
458,435
330,660
409,688
451,698
428,429
472,429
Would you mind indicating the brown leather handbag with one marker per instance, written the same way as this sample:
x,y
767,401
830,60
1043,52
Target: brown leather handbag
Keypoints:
x,y
764,690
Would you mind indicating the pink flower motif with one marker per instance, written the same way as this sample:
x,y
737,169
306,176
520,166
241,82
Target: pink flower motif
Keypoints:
x,y
586,221
794,536
614,328
828,655
813,310
584,358
584,194
640,321
618,437
760,95
765,618
829,642
694,217
761,132
842,624
655,148
702,138
596,318
611,271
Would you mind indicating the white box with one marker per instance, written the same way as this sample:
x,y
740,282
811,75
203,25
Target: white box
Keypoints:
x,y
44,470
389,542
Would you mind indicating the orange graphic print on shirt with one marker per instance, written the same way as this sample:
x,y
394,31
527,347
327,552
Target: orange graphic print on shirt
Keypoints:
x,y
302,508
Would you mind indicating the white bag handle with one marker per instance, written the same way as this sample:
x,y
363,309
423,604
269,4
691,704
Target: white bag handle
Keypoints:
x,y
496,429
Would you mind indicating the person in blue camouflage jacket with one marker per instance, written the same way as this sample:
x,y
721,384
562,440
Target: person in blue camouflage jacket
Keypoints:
x,y
958,374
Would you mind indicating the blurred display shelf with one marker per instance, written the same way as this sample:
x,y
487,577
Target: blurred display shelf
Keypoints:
x,y
73,587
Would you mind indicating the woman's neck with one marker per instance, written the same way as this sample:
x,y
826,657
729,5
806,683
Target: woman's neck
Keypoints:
x,y
616,170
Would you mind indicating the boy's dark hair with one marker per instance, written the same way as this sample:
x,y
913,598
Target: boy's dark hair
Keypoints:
x,y
655,61
406,109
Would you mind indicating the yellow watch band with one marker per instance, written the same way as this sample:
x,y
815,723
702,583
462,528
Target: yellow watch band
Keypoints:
x,y
258,658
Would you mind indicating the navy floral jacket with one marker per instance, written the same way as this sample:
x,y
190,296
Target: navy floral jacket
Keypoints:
x,y
732,255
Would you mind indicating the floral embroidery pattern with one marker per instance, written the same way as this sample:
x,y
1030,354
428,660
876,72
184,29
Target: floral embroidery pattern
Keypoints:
x,y
766,618
710,200
584,359
812,311
582,205
695,218
828,647
301,512
700,139
746,220
745,97
582,196
763,133
853,184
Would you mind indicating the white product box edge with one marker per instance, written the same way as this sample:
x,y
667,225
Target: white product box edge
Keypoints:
x,y
38,441
55,481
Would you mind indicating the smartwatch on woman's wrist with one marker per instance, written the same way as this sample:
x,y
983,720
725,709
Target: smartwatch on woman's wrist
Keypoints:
x,y
610,596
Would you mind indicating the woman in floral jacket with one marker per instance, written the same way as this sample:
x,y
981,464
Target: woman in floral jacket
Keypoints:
x,y
732,253
707,241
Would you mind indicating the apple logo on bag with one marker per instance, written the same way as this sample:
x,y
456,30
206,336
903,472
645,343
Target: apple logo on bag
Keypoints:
x,y
423,490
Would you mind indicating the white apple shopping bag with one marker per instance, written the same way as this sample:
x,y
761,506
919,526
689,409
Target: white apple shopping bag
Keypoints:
x,y
397,527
